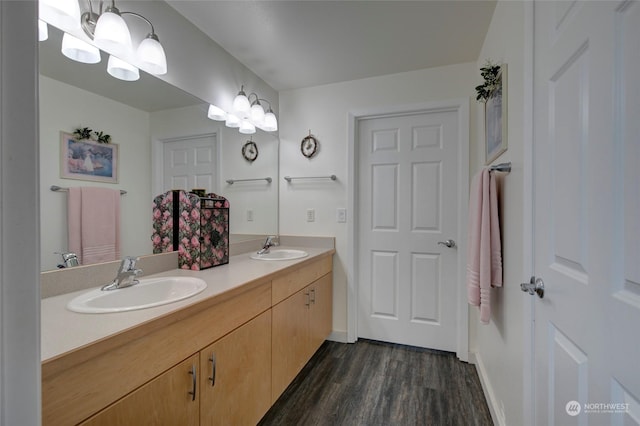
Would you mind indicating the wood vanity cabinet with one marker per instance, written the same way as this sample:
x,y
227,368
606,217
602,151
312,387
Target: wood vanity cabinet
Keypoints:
x,y
257,340
168,399
234,389
235,375
301,323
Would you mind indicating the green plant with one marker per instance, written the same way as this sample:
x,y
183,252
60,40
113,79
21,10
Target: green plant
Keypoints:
x,y
490,73
82,133
86,133
102,137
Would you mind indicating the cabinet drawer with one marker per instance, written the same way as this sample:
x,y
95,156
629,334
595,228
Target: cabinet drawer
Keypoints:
x,y
288,284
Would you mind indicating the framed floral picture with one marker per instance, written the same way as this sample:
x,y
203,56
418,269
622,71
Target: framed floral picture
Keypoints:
x,y
88,160
495,118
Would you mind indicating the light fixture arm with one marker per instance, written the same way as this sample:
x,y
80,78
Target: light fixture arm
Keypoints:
x,y
153,34
90,19
264,100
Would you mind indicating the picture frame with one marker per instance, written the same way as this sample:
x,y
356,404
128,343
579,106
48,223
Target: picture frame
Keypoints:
x,y
88,160
495,119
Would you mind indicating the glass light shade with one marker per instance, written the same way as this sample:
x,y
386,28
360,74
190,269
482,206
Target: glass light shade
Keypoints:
x,y
43,30
151,56
270,122
216,113
122,70
257,113
241,103
112,34
246,128
232,121
64,14
79,50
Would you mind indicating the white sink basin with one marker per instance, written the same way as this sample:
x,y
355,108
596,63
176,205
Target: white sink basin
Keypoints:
x,y
146,294
281,254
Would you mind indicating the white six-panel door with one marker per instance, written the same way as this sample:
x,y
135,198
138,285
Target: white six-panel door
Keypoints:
x,y
407,203
587,212
190,163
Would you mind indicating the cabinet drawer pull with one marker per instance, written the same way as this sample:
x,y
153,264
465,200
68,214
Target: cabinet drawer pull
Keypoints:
x,y
313,295
308,302
212,379
194,381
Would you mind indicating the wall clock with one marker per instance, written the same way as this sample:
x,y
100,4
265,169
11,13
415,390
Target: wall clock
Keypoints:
x,y
250,151
309,146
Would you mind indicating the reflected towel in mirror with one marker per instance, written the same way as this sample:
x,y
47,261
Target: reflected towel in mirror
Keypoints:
x,y
94,224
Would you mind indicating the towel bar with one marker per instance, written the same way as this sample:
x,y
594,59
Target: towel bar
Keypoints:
x,y
232,181
57,188
290,178
502,167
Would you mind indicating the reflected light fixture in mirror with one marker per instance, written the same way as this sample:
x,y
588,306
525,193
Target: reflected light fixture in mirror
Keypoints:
x,y
108,31
79,50
247,114
64,14
122,70
43,30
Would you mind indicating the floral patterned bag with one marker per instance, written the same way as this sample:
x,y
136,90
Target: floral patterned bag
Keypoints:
x,y
197,227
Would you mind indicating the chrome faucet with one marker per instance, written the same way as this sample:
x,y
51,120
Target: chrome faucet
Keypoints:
x,y
271,241
127,274
69,260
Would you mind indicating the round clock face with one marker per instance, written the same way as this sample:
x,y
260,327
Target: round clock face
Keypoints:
x,y
250,151
309,146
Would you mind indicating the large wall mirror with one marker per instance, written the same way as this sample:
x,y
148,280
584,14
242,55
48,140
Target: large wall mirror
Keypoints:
x,y
143,118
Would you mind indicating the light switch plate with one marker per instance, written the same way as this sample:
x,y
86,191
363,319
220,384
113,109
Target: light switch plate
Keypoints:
x,y
341,215
311,215
249,215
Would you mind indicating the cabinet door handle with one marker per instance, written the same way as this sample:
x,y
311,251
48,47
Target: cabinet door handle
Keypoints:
x,y
308,302
212,379
313,295
194,381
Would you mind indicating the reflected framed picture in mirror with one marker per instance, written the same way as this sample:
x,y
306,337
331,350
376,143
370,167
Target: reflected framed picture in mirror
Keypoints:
x,y
88,160
495,119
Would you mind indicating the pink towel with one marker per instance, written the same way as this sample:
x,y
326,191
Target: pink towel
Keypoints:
x,y
484,261
94,224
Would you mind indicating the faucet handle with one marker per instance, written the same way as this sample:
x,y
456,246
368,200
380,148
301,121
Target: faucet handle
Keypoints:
x,y
129,263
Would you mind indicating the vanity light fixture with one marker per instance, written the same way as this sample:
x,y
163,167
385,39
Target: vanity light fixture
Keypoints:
x,y
246,127
79,50
122,70
43,30
108,31
64,14
216,113
247,114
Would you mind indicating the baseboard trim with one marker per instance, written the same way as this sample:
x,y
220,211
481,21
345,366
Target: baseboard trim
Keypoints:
x,y
338,336
497,415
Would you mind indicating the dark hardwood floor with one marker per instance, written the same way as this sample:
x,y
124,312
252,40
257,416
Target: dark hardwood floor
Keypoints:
x,y
372,383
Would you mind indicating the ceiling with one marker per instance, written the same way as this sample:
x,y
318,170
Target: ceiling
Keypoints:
x,y
294,44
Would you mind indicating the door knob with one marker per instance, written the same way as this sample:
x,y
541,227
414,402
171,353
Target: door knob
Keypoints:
x,y
448,243
534,286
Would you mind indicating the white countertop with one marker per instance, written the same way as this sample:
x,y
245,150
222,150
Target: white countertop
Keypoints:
x,y
63,331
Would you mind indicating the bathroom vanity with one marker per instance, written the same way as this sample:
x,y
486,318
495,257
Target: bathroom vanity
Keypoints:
x,y
222,357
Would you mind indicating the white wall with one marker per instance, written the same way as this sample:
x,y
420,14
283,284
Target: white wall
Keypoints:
x,y
65,108
324,110
261,197
20,395
499,345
